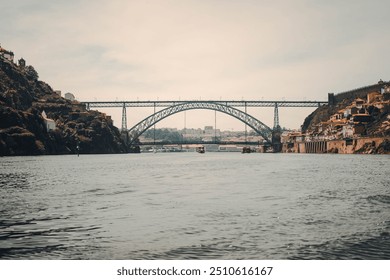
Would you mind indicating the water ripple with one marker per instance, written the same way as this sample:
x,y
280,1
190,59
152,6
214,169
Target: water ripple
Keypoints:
x,y
379,198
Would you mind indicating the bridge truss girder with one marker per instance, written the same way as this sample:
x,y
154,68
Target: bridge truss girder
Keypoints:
x,y
233,103
252,122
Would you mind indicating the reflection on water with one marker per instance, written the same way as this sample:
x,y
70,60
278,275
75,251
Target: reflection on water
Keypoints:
x,y
194,206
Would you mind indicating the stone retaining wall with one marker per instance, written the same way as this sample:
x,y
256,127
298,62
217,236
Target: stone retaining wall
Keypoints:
x,y
344,146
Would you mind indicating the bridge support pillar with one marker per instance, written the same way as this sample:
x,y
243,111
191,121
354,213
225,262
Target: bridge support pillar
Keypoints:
x,y
276,132
124,118
124,132
276,117
276,141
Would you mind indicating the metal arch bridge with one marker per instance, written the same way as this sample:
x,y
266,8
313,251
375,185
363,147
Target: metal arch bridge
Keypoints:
x,y
148,122
224,106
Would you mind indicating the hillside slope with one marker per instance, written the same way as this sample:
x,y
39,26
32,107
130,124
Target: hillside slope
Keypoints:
x,y
23,130
379,118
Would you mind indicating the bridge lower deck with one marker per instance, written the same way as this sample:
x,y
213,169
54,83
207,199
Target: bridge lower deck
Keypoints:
x,y
164,143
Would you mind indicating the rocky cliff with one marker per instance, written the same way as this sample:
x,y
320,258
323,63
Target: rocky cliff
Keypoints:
x,y
23,130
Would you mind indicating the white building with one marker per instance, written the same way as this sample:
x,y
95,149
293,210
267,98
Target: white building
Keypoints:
x,y
6,54
348,130
69,96
50,124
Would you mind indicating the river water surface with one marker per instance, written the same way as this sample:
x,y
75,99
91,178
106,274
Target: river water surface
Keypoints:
x,y
195,206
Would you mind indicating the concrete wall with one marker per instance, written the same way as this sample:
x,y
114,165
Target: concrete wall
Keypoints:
x,y
301,148
344,146
353,145
296,147
340,147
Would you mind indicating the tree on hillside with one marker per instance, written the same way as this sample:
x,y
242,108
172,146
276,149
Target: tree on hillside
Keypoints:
x,y
164,135
31,73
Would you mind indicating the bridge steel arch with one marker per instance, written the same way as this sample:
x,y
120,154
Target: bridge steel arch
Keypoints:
x,y
148,122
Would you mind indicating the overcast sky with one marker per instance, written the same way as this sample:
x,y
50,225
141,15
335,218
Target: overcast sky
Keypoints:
x,y
194,49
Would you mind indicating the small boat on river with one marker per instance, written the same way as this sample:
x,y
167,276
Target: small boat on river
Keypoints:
x,y
200,150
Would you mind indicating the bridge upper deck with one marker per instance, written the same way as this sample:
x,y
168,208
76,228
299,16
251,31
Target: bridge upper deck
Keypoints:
x,y
232,103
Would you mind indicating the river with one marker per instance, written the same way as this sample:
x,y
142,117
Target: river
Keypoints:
x,y
195,206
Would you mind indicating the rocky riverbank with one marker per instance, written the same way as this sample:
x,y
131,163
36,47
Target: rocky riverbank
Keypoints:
x,y
24,128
